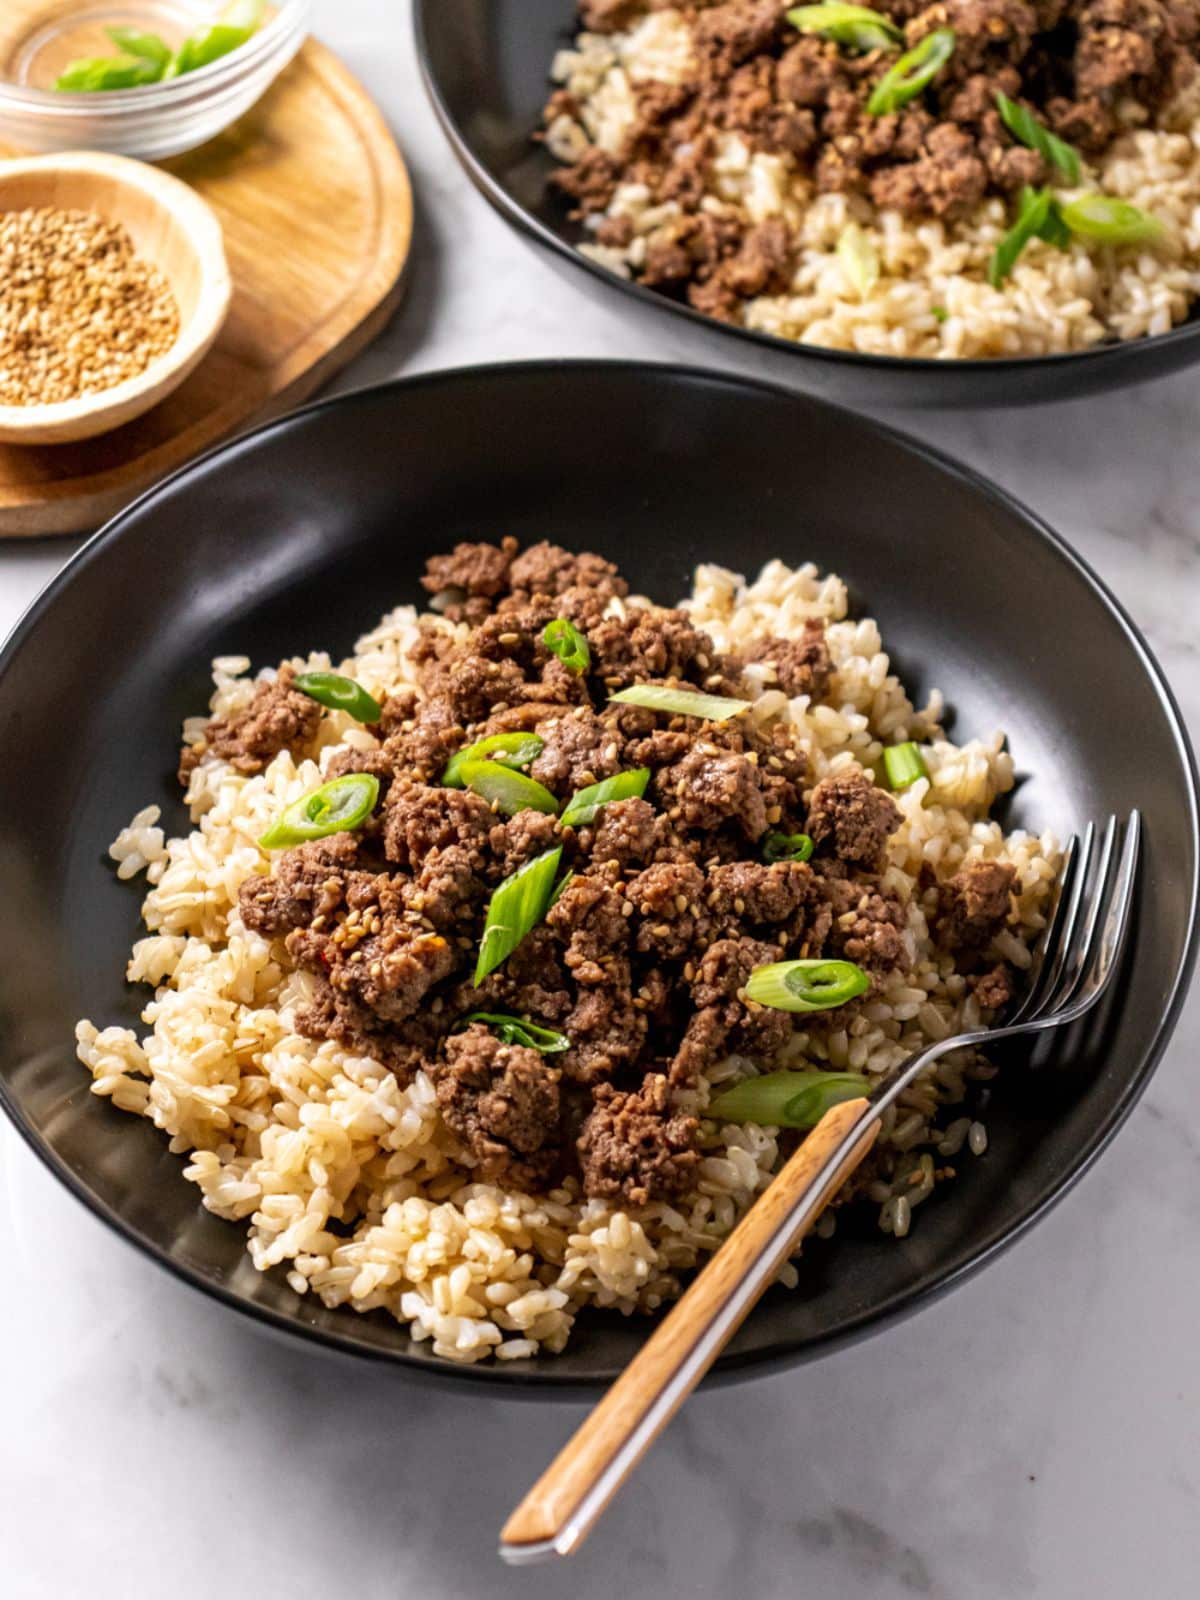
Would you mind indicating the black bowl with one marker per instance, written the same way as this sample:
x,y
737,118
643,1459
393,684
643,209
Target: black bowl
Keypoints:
x,y
486,65
302,533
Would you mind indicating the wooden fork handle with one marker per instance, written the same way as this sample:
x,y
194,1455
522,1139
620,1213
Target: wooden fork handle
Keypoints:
x,y
567,1499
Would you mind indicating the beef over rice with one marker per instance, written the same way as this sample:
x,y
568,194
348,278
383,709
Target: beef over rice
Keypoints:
x,y
735,155
482,1151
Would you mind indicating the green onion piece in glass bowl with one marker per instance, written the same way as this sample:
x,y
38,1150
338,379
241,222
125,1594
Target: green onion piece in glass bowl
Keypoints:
x,y
582,807
904,764
1023,125
1111,221
913,73
339,694
516,907
507,749
680,702
859,259
806,985
97,74
787,847
855,27
787,1099
518,1030
339,806
145,46
564,640
505,789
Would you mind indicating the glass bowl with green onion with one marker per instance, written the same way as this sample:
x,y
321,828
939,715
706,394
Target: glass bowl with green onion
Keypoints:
x,y
147,78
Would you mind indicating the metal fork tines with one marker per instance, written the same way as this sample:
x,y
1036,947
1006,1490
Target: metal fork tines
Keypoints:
x,y
1076,956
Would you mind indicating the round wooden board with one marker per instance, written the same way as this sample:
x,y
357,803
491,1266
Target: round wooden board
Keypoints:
x,y
316,205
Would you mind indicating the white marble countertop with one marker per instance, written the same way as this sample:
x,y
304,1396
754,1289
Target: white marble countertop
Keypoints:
x,y
1034,1435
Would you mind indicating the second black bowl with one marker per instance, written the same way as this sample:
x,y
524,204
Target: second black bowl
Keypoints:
x,y
487,67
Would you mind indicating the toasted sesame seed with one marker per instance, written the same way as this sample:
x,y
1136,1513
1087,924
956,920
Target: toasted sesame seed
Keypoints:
x,y
681,902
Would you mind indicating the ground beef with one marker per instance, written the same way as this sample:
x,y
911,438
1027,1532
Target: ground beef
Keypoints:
x,y
473,569
579,749
664,906
307,882
277,718
851,819
709,788
635,1147
503,1103
419,818
973,904
797,666
994,989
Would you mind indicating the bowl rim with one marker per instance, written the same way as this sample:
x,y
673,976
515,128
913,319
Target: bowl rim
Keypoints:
x,y
514,212
197,333
508,1378
66,105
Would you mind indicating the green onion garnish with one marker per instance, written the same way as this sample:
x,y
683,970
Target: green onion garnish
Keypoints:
x,y
505,789
913,73
680,702
1023,125
1111,221
519,1030
859,259
507,749
145,46
516,907
806,985
339,694
565,641
787,1099
1038,217
149,59
856,27
904,764
339,806
582,807
940,314
787,847
95,74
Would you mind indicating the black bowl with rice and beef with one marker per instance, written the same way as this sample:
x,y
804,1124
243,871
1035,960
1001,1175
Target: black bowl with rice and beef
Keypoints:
x,y
976,202
303,1019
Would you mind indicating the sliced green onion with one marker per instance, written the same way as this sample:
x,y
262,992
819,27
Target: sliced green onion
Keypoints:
x,y
806,985
1111,221
681,702
339,694
1038,217
507,749
339,806
904,764
516,907
940,314
519,1030
565,641
1023,125
859,259
96,74
787,847
505,789
913,73
207,45
583,806
856,27
145,46
787,1099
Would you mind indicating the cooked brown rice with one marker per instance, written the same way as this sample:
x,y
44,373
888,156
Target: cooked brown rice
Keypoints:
x,y
355,1188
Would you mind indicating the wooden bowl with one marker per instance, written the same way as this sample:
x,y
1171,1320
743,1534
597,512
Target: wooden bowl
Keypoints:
x,y
171,228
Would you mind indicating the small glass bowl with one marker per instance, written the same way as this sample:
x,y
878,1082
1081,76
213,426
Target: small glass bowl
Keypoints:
x,y
156,120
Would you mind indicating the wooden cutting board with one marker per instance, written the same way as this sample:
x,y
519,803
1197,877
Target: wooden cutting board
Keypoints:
x,y
315,203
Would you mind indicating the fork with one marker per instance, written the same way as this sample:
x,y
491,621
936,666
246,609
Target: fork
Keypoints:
x,y
1070,970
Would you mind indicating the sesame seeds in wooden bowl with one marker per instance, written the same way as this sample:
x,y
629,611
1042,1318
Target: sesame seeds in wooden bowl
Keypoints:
x,y
116,285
